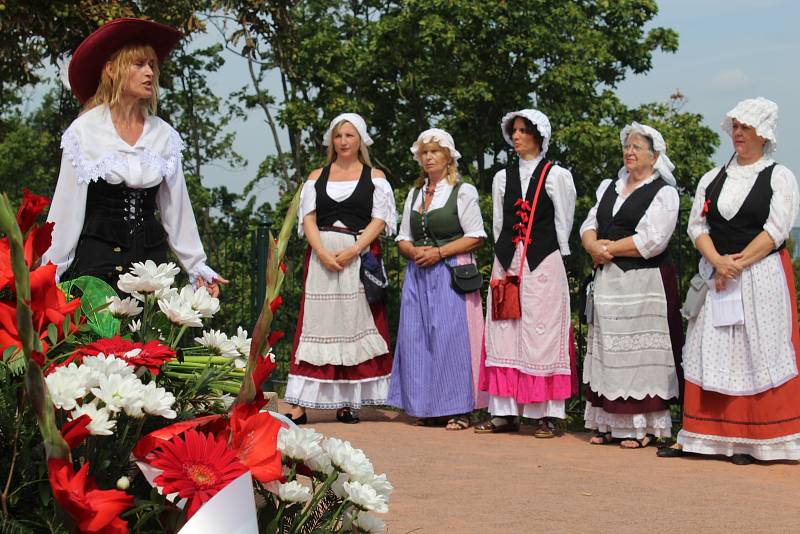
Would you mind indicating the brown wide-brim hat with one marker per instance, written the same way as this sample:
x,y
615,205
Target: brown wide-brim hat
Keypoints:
x,y
90,57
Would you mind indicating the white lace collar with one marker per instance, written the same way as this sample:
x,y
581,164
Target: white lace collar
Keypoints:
x,y
748,172
623,181
95,149
527,166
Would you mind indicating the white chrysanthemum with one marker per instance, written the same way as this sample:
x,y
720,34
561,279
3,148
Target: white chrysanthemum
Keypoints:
x,y
294,492
200,300
180,312
121,393
135,325
218,342
368,523
158,401
67,384
127,307
365,497
321,463
299,443
349,459
148,277
381,485
108,365
337,487
101,424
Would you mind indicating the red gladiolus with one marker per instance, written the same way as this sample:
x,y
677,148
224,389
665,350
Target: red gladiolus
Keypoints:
x,y
254,437
196,466
31,207
274,337
275,304
94,511
75,431
151,355
48,303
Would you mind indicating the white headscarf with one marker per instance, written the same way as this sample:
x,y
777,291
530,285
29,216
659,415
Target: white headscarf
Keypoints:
x,y
358,123
761,114
439,136
538,119
663,165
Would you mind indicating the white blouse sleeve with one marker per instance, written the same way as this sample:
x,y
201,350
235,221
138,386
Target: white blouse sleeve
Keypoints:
x,y
655,228
308,203
784,205
561,190
383,206
469,211
179,223
67,211
697,221
591,218
405,222
498,191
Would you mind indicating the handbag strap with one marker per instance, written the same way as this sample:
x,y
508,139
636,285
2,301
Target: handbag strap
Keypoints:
x,y
530,220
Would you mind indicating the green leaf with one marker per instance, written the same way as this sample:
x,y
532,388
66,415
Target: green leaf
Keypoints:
x,y
52,333
94,296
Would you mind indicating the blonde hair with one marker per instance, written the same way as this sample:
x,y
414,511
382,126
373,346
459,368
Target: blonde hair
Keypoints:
x,y
363,153
112,84
451,171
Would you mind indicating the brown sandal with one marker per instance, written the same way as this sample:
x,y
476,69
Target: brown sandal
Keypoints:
x,y
546,429
504,424
601,438
459,422
640,443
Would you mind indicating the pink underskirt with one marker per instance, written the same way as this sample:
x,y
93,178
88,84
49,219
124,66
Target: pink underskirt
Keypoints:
x,y
525,388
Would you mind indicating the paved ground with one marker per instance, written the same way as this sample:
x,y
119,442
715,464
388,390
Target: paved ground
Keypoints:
x,y
460,482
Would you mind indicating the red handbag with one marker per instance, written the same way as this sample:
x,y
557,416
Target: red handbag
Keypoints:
x,y
505,291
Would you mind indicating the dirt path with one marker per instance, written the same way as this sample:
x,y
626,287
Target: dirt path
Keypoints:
x,y
460,482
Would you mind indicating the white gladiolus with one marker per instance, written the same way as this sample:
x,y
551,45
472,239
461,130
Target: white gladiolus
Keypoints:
x,y
294,492
299,443
369,523
365,497
349,459
121,393
200,300
242,343
218,342
338,485
381,485
127,307
180,312
157,401
321,463
148,277
67,384
100,424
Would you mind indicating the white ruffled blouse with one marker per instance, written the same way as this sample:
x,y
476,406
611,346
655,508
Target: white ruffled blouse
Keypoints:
x,y
93,150
469,210
783,207
656,225
558,186
383,206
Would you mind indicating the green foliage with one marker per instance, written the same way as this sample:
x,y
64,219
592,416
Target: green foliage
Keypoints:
x,y
94,294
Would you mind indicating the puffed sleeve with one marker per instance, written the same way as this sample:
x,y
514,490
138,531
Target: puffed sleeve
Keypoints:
x,y
784,205
697,221
469,211
383,206
591,218
657,224
181,227
308,203
67,211
561,190
498,191
405,222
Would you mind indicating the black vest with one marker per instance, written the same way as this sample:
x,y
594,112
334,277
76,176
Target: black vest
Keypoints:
x,y
355,211
623,224
544,240
733,236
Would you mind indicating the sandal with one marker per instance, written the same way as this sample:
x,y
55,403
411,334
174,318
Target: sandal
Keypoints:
x,y
639,443
497,425
459,422
545,429
346,415
601,438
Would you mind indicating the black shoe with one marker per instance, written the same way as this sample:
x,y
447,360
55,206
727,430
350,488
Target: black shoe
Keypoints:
x,y
346,415
742,459
299,421
669,452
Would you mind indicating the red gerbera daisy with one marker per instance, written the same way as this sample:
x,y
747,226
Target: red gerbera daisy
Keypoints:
x,y
151,355
196,466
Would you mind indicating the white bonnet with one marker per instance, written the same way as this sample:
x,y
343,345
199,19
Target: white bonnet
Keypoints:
x,y
538,119
663,164
761,114
439,136
353,118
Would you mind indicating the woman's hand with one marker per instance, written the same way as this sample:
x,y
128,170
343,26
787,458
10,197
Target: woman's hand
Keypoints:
x,y
213,286
345,256
727,266
426,256
598,250
328,260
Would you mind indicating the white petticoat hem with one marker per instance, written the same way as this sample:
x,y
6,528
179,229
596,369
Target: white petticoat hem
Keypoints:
x,y
623,426
309,393
508,406
781,448
341,351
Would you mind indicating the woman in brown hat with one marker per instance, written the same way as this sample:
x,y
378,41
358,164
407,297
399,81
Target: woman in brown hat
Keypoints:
x,y
121,163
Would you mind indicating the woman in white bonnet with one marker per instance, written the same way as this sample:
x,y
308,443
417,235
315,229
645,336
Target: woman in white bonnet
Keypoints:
x,y
341,357
440,330
528,365
741,352
635,332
